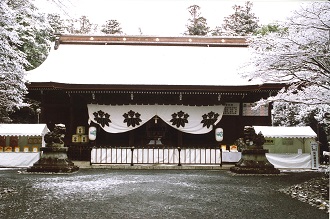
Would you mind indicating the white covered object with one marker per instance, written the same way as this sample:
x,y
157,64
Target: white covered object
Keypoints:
x,y
116,122
287,139
14,159
285,132
299,161
143,65
23,129
231,157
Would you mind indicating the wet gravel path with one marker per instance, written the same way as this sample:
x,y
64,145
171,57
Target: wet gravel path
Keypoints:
x,y
314,192
104,193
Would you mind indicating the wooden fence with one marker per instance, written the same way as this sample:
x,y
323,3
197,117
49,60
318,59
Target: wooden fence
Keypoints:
x,y
156,155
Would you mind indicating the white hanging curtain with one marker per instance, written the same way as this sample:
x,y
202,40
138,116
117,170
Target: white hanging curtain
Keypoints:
x,y
123,118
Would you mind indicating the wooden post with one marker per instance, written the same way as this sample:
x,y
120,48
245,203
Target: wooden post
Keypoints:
x,y
179,139
132,150
131,138
42,107
179,149
220,157
71,127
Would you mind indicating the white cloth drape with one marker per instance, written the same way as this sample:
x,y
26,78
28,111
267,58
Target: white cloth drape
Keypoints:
x,y
18,159
114,121
290,160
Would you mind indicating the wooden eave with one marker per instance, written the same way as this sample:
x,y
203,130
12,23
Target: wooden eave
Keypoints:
x,y
152,40
74,88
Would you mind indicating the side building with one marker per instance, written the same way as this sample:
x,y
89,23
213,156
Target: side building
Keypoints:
x,y
143,91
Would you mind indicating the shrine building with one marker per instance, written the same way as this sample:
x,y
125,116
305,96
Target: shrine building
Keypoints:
x,y
144,90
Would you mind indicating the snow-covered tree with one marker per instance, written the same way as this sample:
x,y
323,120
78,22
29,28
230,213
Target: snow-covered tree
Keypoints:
x,y
79,26
242,22
85,25
291,114
24,42
269,28
197,24
217,31
298,57
111,27
34,31
12,62
56,22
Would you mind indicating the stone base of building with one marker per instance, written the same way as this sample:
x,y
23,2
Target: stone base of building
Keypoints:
x,y
54,160
254,161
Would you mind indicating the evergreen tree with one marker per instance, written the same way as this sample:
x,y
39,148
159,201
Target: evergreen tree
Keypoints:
x,y
26,114
218,31
78,26
111,27
197,25
56,23
270,28
12,62
34,31
24,44
243,22
85,25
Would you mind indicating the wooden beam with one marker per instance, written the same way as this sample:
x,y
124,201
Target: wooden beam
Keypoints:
x,y
215,41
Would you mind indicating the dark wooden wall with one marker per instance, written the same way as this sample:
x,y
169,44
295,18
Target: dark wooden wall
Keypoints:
x,y
70,109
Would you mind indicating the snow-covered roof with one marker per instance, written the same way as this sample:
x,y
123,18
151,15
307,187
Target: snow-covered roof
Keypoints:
x,y
285,132
23,129
140,64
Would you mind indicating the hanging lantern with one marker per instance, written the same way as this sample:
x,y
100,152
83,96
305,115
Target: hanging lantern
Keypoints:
x,y
218,134
92,133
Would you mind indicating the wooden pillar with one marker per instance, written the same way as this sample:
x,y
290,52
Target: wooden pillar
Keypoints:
x,y
179,139
241,122
71,129
42,108
131,138
270,115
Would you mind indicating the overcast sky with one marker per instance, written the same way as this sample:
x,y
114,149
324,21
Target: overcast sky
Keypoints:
x,y
160,17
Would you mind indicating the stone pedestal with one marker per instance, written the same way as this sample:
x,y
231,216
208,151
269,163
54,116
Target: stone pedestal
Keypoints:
x,y
254,161
54,157
54,160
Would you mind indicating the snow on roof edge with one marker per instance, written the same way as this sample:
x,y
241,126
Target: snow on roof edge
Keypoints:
x,y
286,132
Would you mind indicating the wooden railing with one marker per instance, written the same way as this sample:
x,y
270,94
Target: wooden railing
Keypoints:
x,y
156,155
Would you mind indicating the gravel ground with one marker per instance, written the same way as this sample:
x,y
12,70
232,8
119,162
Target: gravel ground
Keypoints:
x,y
314,192
104,193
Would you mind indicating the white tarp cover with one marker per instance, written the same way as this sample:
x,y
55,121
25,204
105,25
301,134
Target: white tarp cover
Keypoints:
x,y
143,65
299,161
18,159
231,157
285,132
123,118
23,129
